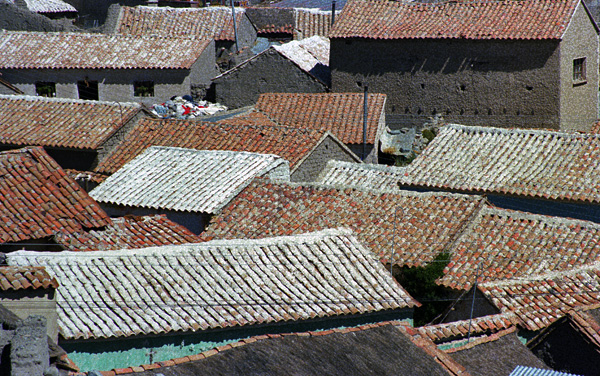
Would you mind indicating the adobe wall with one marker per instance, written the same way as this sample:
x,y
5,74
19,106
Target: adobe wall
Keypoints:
x,y
113,85
327,150
25,303
579,99
492,83
268,72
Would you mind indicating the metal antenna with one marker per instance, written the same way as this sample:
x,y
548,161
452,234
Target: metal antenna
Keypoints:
x,y
473,301
237,47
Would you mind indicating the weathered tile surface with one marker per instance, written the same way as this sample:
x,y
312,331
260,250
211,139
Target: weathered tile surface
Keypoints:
x,y
415,227
365,175
529,163
216,285
340,113
459,329
309,22
253,132
186,179
380,19
127,233
25,277
47,6
35,50
204,23
70,123
39,199
504,244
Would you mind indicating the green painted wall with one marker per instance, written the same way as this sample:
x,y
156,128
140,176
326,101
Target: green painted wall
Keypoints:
x,y
104,355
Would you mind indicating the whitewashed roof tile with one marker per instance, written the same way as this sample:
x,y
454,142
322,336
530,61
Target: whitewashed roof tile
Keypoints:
x,y
186,179
217,284
48,6
341,174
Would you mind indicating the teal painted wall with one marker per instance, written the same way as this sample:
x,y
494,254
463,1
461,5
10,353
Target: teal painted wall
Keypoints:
x,y
104,355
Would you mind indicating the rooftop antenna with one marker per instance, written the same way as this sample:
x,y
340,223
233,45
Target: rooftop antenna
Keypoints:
x,y
332,12
237,48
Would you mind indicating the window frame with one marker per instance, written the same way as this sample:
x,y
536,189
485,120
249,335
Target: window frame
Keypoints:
x,y
45,84
145,84
579,70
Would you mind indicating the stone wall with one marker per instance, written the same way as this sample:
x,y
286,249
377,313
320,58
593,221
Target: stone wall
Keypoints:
x,y
268,72
479,82
39,302
329,149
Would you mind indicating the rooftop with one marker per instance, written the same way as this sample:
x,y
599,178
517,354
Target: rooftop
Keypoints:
x,y
340,113
166,178
48,6
25,277
365,175
411,227
198,286
204,23
382,19
253,132
39,199
56,122
528,163
36,50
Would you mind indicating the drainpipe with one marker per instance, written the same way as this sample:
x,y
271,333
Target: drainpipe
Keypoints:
x,y
332,12
365,114
237,48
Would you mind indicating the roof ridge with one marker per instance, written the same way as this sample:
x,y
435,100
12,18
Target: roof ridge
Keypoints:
x,y
511,131
523,215
67,100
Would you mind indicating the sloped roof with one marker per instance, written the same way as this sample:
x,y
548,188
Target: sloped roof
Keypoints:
x,y
47,6
309,22
365,175
310,54
534,371
128,232
203,23
530,163
503,244
252,132
381,19
57,122
318,4
495,354
25,277
39,199
540,300
214,285
186,179
415,226
450,331
340,113
35,50
383,348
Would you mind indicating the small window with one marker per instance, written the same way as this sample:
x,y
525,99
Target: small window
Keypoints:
x,y
143,88
88,90
45,89
579,69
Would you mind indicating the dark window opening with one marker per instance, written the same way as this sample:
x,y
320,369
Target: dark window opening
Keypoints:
x,y
45,89
88,90
579,69
143,88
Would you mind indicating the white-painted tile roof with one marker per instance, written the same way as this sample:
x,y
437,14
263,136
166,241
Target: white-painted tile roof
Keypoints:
x,y
36,50
48,6
534,163
186,179
365,175
216,284
306,53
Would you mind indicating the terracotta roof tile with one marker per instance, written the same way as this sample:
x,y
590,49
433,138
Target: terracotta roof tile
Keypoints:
x,y
215,285
365,175
423,226
69,123
252,132
310,22
530,163
39,199
381,19
460,329
25,277
539,301
128,233
36,50
204,23
512,244
339,113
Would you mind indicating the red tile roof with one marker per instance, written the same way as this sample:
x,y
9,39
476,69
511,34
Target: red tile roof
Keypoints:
x,y
459,329
340,113
39,199
36,50
67,123
526,19
128,233
423,225
503,244
204,23
309,22
252,132
25,277
539,301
